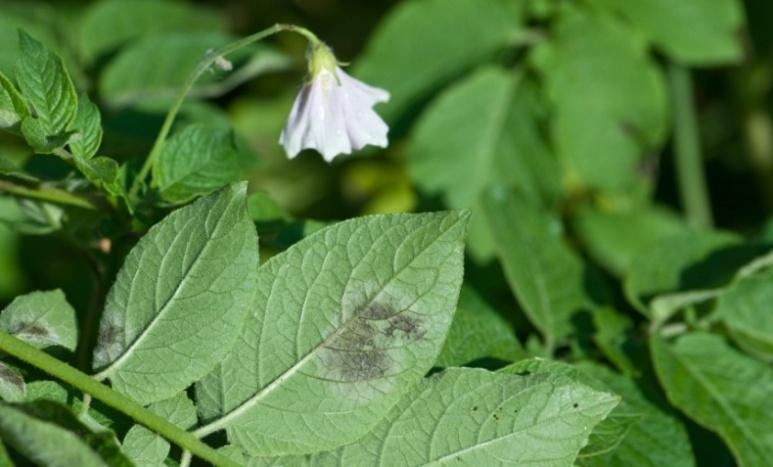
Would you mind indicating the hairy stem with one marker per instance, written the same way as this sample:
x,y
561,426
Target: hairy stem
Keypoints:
x,y
50,195
95,389
689,163
202,67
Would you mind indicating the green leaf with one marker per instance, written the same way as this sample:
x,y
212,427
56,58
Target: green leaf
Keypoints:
x,y
611,431
592,65
103,172
614,238
48,433
109,24
180,298
478,331
458,157
687,261
45,84
85,142
545,275
146,448
151,72
721,389
12,387
468,416
745,310
348,320
693,32
196,161
42,319
13,108
654,438
463,32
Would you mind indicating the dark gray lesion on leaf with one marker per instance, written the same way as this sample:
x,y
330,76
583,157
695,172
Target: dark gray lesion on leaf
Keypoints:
x,y
11,377
360,351
29,329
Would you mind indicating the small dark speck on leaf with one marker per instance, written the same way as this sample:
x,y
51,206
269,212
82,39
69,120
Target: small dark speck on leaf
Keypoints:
x,y
575,405
523,373
474,408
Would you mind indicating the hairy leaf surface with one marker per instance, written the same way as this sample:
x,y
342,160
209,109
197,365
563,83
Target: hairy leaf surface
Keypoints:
x,y
347,321
473,417
180,298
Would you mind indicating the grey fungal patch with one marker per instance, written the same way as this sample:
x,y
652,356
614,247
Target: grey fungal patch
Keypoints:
x,y
408,326
364,350
32,329
11,377
109,345
364,365
376,311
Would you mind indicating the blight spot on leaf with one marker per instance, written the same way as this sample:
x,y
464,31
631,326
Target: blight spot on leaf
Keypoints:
x,y
359,353
11,377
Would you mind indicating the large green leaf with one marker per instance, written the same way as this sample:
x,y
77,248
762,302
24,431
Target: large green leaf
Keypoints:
x,y
694,32
547,277
42,319
348,320
721,389
473,417
196,161
403,57
48,433
685,261
655,438
458,156
477,332
745,310
180,298
610,432
47,87
151,72
109,24
610,100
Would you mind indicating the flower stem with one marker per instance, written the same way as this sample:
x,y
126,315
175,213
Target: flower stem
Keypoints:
x,y
202,67
89,385
689,164
51,195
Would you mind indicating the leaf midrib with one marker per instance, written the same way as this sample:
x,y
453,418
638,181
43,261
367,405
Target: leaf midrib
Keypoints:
x,y
236,412
116,364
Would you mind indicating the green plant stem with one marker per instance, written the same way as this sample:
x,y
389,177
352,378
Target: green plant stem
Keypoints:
x,y
689,163
202,67
51,195
89,385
